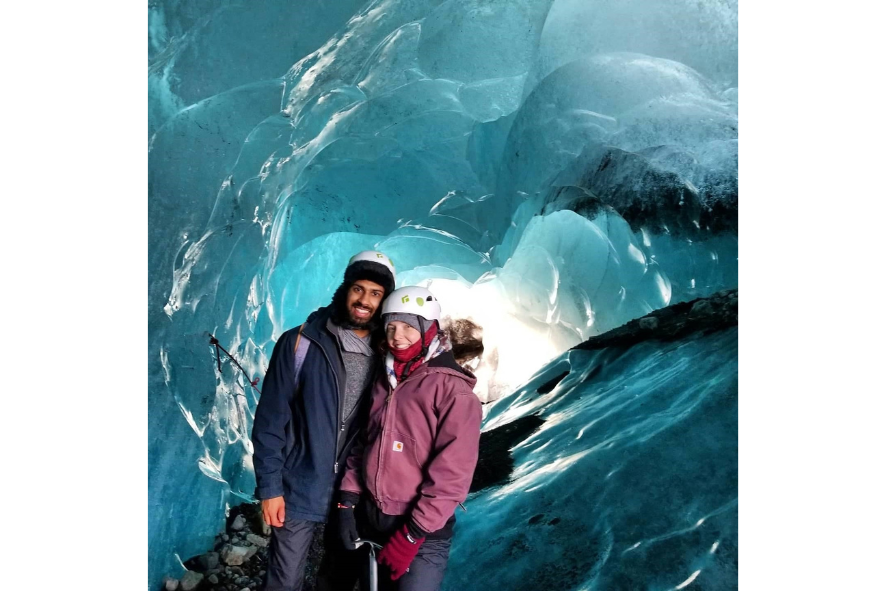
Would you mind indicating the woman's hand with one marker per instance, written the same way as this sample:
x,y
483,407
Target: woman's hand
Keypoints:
x,y
399,552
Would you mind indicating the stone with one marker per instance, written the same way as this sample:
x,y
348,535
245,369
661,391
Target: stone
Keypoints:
x,y
236,570
208,561
190,580
235,555
239,523
170,584
213,579
259,525
226,537
257,540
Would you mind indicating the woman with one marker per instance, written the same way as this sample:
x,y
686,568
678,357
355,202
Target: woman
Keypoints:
x,y
414,466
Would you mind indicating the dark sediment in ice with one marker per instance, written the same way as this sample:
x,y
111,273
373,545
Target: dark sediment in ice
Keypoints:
x,y
704,315
549,386
496,463
644,194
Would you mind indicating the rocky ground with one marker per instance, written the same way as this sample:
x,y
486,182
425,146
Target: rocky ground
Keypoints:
x,y
239,558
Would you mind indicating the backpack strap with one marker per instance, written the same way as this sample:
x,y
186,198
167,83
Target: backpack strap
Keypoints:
x,y
301,350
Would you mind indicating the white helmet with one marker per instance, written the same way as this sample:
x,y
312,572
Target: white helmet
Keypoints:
x,y
374,256
412,300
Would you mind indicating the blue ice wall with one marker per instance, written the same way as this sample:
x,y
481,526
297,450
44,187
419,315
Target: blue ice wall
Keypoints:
x,y
631,482
556,168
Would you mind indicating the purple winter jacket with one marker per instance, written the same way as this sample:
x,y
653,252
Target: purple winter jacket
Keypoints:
x,y
419,449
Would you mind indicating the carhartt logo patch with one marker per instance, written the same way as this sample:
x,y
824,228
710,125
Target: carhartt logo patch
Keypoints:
x,y
398,446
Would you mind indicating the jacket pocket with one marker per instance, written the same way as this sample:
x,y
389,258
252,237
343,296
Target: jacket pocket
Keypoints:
x,y
401,475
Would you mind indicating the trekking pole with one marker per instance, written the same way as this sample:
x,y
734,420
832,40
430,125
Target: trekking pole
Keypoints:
x,y
214,341
373,564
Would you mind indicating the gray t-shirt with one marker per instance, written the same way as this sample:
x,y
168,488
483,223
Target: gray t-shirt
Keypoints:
x,y
357,357
358,371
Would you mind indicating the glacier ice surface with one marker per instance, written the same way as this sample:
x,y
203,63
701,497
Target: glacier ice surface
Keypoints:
x,y
631,482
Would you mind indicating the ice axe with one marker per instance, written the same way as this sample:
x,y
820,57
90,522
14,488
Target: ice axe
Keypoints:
x,y
373,565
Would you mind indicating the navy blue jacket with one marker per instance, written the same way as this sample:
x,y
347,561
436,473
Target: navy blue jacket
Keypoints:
x,y
300,439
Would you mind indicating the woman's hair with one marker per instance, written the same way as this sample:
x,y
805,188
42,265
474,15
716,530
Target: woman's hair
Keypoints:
x,y
466,337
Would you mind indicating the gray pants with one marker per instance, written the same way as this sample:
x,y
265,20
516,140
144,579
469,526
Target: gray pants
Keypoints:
x,y
288,555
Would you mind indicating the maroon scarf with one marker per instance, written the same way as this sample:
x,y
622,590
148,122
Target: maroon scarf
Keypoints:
x,y
402,356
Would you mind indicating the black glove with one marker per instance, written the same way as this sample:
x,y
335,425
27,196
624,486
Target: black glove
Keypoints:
x,y
347,523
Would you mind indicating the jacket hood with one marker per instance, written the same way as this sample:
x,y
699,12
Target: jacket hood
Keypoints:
x,y
316,321
445,363
320,315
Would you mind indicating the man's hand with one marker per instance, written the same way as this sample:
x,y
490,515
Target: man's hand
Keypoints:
x,y
274,511
347,527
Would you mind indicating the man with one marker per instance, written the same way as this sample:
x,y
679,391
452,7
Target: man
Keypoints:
x,y
305,424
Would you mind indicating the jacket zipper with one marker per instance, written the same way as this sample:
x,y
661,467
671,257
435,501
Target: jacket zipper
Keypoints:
x,y
387,413
341,422
384,428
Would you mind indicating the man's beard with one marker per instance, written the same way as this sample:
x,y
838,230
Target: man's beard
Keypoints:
x,y
341,313
359,323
